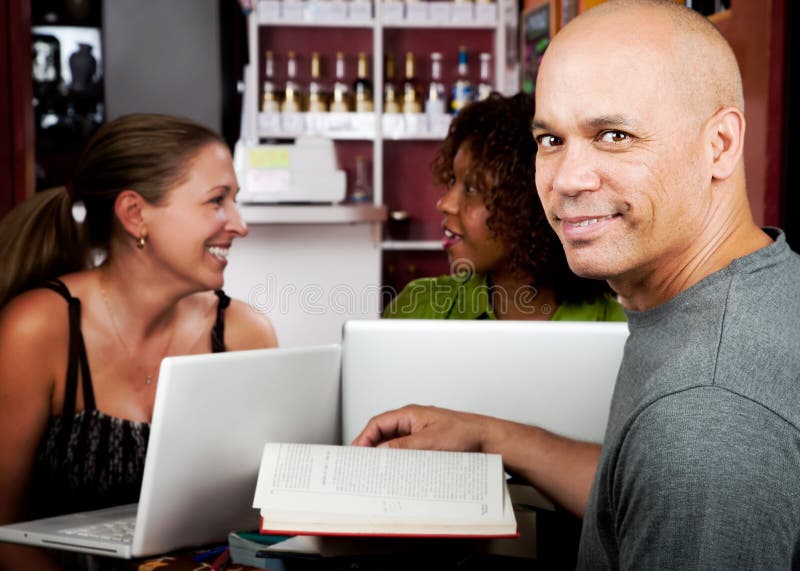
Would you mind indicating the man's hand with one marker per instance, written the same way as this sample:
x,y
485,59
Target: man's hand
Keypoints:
x,y
425,428
559,467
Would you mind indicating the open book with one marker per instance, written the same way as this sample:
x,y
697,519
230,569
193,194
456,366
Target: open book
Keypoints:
x,y
348,490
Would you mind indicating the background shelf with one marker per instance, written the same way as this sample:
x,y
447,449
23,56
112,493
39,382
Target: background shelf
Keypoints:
x,y
412,245
398,148
312,213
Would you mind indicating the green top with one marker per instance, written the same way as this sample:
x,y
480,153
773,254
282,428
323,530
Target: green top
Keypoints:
x,y
448,297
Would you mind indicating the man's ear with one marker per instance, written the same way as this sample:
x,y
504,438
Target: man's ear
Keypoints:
x,y
128,207
726,135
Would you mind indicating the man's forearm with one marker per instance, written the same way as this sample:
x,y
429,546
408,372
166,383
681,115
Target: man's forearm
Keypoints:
x,y
561,468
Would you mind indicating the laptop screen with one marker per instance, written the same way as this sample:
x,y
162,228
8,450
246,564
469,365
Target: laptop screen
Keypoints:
x,y
557,375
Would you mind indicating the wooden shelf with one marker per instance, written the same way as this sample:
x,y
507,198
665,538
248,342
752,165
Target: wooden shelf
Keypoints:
x,y
411,245
333,135
337,126
440,25
312,213
369,24
415,137
350,126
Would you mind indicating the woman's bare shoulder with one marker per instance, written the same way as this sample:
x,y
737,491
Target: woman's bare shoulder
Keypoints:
x,y
247,328
34,334
37,314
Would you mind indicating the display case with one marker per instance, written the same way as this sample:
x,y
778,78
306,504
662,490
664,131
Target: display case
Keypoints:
x,y
68,84
392,144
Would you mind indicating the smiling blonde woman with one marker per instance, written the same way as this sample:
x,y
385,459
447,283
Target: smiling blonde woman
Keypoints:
x,y
81,343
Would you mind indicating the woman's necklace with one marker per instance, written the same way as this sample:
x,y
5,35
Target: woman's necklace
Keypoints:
x,y
152,374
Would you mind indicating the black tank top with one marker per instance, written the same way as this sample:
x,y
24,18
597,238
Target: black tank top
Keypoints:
x,y
89,460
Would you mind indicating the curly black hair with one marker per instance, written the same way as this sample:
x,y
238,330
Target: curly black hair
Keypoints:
x,y
496,133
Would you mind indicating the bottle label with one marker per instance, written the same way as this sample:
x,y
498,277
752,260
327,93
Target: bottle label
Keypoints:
x,y
462,94
391,107
364,106
270,104
317,105
434,107
290,106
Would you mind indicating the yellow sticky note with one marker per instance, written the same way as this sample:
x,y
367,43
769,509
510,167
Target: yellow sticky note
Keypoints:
x,y
268,157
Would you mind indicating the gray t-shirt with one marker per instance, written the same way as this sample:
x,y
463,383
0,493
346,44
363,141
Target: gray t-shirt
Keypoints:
x,y
700,466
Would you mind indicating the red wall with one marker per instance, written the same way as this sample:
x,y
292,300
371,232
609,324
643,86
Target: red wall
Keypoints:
x,y
16,109
755,30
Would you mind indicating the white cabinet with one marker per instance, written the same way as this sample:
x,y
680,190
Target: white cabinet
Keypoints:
x,y
309,269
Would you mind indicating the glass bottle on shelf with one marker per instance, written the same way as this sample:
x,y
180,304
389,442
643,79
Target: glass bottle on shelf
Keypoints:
x,y
269,101
391,99
362,189
485,84
411,98
462,88
341,93
436,101
292,97
362,87
317,98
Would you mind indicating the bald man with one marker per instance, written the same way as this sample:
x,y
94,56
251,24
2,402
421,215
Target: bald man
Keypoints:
x,y
640,126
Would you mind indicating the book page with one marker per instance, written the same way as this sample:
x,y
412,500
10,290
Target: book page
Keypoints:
x,y
400,484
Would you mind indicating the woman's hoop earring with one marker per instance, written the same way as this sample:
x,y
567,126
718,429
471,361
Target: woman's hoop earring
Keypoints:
x,y
140,242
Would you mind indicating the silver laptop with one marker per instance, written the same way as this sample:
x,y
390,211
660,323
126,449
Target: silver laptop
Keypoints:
x,y
557,375
212,416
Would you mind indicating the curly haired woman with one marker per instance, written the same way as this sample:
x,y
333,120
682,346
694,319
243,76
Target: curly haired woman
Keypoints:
x,y
506,262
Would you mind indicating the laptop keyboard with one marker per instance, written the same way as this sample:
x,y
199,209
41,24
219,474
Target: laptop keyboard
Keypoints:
x,y
117,530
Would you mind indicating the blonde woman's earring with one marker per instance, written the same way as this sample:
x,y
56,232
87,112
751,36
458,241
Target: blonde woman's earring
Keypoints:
x,y
140,242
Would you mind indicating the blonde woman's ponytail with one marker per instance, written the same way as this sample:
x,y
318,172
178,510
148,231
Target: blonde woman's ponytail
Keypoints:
x,y
39,240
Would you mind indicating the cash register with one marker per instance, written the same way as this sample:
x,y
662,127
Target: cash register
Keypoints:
x,y
304,171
